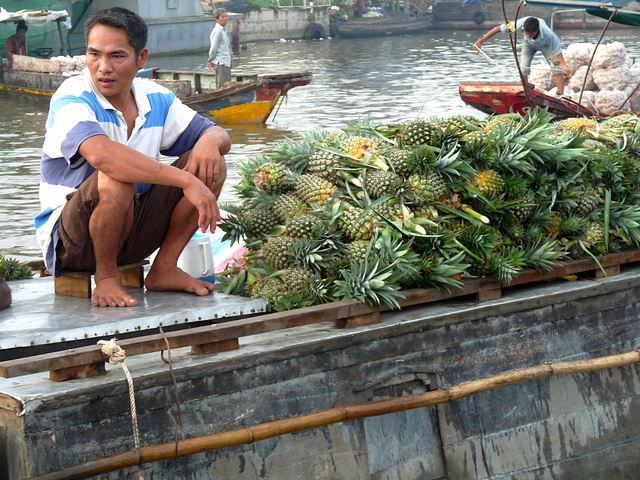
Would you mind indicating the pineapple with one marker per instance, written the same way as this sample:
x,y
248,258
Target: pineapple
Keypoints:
x,y
587,201
357,251
494,125
575,124
313,189
358,147
295,278
357,225
272,178
427,189
554,226
378,183
489,182
268,288
399,161
277,251
287,206
260,221
594,233
325,165
419,132
455,125
304,226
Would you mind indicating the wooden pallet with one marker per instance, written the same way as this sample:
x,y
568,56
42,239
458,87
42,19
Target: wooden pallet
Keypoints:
x,y
90,361
78,284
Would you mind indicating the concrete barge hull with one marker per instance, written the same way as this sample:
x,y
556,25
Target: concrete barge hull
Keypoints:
x,y
555,427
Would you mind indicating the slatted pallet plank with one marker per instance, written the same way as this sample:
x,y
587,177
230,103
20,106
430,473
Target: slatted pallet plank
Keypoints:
x,y
85,361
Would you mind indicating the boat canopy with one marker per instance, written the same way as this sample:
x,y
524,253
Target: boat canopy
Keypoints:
x,y
36,17
592,4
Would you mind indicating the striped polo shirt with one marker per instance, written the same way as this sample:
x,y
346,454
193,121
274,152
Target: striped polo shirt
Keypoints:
x,y
78,111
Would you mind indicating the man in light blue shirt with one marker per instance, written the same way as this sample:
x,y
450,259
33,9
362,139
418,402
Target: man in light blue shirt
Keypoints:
x,y
220,51
538,38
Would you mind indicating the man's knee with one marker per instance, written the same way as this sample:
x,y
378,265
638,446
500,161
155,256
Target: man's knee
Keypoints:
x,y
115,193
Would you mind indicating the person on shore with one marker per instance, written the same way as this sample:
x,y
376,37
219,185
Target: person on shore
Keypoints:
x,y
220,51
17,43
538,37
106,198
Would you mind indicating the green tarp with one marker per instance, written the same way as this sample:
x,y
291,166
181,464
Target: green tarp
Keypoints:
x,y
625,18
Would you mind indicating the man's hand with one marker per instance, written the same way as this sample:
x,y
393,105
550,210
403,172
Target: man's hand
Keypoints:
x,y
207,158
567,71
205,202
477,46
209,65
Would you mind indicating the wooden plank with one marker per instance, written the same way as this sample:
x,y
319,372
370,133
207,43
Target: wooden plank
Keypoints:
x,y
209,339
609,271
370,318
79,371
78,283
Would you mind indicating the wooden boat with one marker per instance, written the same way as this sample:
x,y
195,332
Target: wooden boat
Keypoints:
x,y
249,98
399,24
509,97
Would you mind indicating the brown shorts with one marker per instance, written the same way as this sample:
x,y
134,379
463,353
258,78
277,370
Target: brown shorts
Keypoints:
x,y
151,217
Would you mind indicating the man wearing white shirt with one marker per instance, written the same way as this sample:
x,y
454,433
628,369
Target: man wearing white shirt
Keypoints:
x,y
538,37
220,51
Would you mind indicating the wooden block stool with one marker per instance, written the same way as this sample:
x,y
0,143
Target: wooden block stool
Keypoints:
x,y
78,284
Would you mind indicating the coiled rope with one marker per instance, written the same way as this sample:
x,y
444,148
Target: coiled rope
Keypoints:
x,y
117,355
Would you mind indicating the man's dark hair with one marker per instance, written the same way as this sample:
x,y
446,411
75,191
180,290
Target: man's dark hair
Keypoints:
x,y
218,13
124,19
21,26
531,25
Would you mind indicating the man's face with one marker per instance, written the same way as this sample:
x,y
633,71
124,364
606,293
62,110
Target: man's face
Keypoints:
x,y
112,61
222,19
532,34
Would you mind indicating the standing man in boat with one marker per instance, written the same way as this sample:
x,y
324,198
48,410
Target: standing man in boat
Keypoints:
x,y
106,198
538,38
220,51
17,43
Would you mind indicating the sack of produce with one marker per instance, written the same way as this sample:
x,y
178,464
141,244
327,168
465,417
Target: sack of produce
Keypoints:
x,y
576,81
588,98
617,78
609,101
610,55
67,64
634,70
542,77
577,55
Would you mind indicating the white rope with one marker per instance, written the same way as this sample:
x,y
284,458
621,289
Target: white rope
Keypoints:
x,y
503,68
117,355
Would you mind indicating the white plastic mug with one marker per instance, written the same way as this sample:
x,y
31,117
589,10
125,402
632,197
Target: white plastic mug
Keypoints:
x,y
196,259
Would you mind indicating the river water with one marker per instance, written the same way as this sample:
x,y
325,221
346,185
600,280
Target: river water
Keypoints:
x,y
390,79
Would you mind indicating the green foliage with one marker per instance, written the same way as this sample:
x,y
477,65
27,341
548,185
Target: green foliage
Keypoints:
x,y
11,269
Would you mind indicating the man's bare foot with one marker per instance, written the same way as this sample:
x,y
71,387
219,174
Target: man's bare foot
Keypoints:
x,y
110,293
173,278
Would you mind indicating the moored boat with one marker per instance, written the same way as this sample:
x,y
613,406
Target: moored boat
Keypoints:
x,y
509,97
399,24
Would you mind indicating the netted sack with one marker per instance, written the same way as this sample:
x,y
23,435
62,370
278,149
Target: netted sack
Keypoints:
x,y
67,64
609,101
577,80
576,55
542,77
617,78
81,62
610,55
635,73
588,99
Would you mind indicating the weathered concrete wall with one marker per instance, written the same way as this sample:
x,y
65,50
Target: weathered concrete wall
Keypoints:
x,y
558,427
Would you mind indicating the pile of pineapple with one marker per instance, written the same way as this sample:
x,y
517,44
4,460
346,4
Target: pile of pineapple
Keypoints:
x,y
371,210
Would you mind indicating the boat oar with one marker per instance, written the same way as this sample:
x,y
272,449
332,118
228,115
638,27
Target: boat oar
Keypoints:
x,y
253,434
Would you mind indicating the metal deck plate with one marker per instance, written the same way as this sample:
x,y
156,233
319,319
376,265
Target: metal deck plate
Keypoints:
x,y
38,317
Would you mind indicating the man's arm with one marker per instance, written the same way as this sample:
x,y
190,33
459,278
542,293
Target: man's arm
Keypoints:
x,y
126,165
215,42
494,31
9,49
207,154
565,68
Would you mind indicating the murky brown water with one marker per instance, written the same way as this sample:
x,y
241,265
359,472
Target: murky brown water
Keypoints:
x,y
390,79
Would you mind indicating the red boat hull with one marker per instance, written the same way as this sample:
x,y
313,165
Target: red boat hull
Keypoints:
x,y
509,97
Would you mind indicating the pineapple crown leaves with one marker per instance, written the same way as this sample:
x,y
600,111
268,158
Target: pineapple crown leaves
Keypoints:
x,y
441,272
12,269
507,263
370,283
466,212
479,239
625,221
364,127
422,158
453,167
295,154
543,255
235,228
393,250
350,161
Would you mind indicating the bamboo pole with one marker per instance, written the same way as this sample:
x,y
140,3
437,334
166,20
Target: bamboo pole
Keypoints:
x,y
263,431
